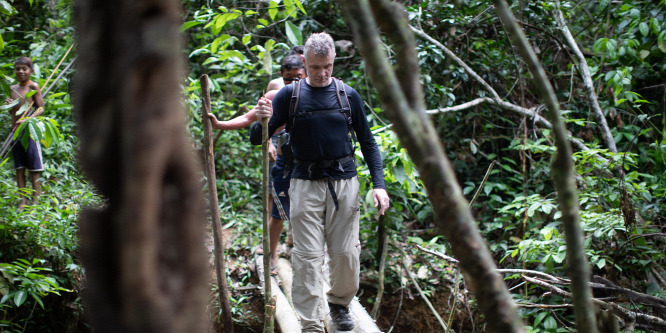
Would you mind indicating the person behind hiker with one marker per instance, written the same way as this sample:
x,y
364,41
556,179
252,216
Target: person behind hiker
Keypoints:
x,y
324,189
30,158
291,69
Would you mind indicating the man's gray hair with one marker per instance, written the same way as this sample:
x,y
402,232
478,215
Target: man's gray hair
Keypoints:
x,y
319,44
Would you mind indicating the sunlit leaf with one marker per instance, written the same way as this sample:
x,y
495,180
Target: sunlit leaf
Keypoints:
x,y
300,6
294,35
20,297
272,9
189,24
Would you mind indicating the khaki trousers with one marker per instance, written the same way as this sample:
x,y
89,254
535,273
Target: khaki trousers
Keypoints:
x,y
317,226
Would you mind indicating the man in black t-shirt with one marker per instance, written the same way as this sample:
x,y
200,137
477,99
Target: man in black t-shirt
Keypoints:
x,y
324,186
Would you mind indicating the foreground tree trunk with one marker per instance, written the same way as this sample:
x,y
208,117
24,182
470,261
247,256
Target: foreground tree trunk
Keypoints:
x,y
563,177
402,97
143,252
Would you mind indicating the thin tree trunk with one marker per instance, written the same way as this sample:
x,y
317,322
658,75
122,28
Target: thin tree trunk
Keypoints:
x,y
563,177
143,251
403,99
592,100
218,236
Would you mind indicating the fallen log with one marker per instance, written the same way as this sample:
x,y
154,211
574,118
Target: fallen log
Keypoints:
x,y
284,314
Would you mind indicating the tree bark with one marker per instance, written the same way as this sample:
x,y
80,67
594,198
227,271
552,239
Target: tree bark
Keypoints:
x,y
218,236
143,252
420,138
592,99
269,303
563,177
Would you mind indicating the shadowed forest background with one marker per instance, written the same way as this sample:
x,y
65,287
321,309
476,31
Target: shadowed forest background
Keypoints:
x,y
483,102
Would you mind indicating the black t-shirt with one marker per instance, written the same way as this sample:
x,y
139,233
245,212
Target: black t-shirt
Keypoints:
x,y
324,136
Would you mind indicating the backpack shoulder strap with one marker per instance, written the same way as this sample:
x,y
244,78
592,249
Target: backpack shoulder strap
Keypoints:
x,y
343,100
293,104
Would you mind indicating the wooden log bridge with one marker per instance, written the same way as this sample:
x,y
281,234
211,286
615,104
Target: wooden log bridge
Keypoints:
x,y
285,315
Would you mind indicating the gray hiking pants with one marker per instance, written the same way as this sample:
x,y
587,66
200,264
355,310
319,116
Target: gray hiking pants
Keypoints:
x,y
317,225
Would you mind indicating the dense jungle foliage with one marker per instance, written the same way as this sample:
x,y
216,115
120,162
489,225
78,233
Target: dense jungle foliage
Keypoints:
x,y
240,45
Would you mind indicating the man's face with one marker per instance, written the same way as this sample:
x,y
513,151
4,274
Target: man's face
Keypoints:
x,y
290,75
320,68
22,72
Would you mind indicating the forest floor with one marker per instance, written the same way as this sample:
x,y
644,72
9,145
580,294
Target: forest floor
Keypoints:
x,y
402,309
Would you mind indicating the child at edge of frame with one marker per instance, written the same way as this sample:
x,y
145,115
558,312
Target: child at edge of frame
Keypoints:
x,y
29,158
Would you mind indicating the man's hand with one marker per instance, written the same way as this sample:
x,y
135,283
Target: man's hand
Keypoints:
x,y
264,108
381,199
272,152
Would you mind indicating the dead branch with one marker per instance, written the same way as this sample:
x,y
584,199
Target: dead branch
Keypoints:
x,y
437,254
592,99
625,314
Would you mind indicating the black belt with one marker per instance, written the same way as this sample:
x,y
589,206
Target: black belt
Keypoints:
x,y
327,164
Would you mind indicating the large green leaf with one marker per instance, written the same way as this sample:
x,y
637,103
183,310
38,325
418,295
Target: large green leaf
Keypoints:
x,y
20,297
2,43
293,34
6,8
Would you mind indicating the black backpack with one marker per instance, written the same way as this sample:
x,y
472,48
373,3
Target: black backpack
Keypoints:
x,y
343,100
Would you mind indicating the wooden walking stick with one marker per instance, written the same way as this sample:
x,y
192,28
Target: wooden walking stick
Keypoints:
x,y
218,237
269,300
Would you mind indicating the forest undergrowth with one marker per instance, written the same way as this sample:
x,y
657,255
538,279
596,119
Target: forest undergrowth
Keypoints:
x,y
489,119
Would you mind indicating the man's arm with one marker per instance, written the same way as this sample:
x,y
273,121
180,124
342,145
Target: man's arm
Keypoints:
x,y
239,122
370,153
279,105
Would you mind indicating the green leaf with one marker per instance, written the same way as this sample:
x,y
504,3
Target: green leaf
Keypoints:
x,y
6,8
268,62
272,9
246,39
550,323
644,29
2,43
294,35
300,6
10,105
189,24
661,41
601,263
20,297
22,109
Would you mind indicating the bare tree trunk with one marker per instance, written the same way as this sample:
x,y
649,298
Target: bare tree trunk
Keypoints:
x,y
592,100
270,302
218,236
563,177
143,252
402,97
